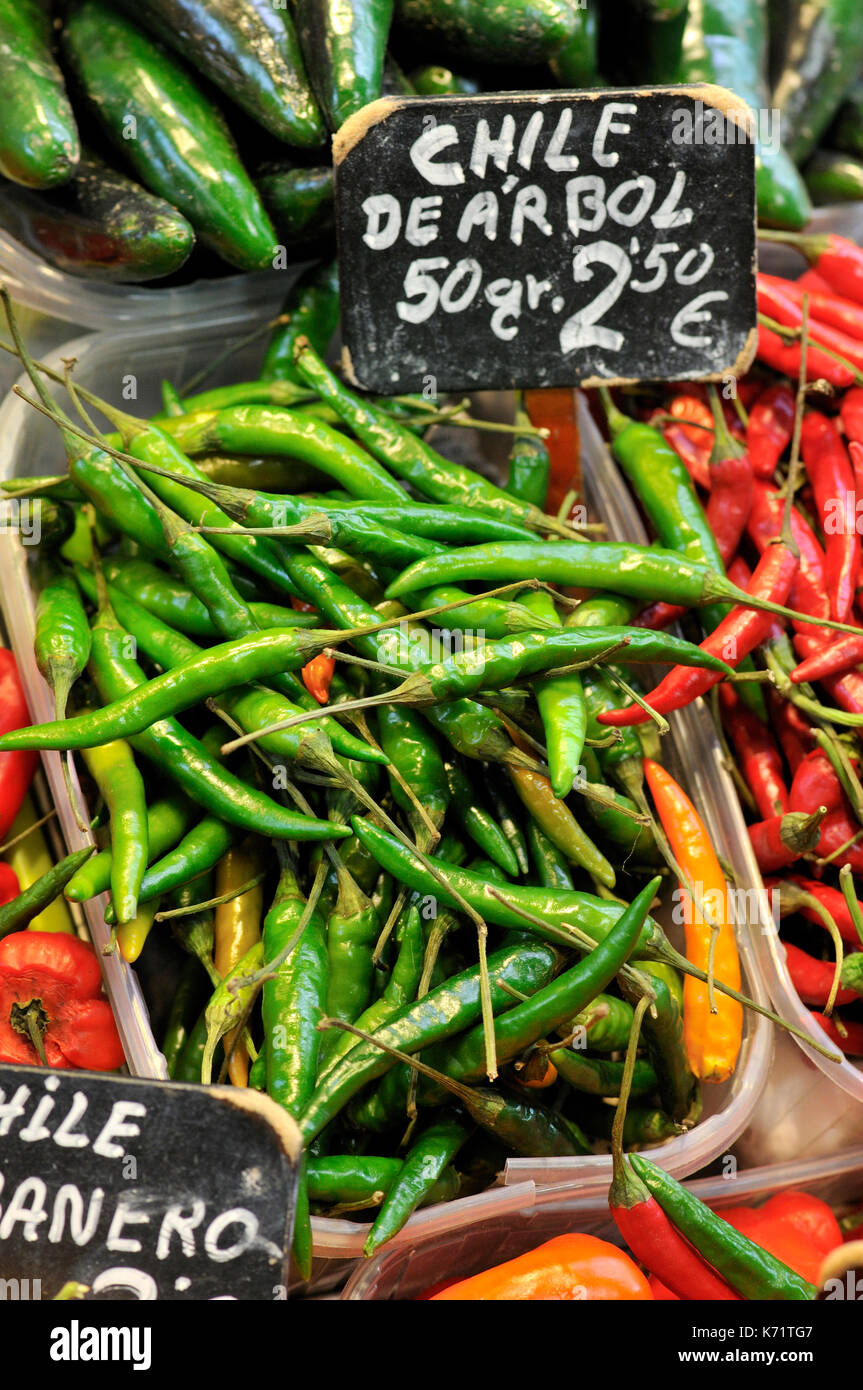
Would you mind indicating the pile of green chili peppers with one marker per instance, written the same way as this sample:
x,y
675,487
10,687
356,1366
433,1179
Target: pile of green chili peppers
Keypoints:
x,y
459,861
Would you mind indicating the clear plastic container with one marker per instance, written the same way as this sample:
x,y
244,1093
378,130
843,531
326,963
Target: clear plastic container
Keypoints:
x,y
96,304
409,1268
115,364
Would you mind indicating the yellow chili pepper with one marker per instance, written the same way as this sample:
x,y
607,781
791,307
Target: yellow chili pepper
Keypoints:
x,y
30,859
237,927
132,936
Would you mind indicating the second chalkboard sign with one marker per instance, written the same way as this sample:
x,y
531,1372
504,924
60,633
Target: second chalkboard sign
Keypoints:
x,y
547,239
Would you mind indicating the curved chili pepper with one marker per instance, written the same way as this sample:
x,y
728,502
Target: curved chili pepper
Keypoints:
x,y
780,841
750,1270
830,898
114,770
447,1010
597,1077
824,305
567,1267
736,636
713,1040
813,979
808,593
780,306
840,829
759,758
832,481
51,1005
654,1241
21,910
785,357
816,784
770,428
16,769
835,258
424,1164
846,690
832,659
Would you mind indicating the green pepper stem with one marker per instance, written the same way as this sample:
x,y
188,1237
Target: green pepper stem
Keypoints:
x,y
846,883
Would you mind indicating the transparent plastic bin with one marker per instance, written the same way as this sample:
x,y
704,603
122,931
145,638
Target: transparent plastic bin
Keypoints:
x,y
408,1269
29,444
96,304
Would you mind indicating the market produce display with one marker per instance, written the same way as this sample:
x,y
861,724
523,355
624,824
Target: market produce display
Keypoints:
x,y
356,698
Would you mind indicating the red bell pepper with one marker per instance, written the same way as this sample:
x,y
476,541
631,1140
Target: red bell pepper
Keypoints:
x,y
51,1009
16,769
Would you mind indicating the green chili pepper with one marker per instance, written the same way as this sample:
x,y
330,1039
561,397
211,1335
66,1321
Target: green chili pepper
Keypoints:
x,y
312,307
449,1009
550,1006
262,429
185,759
607,1023
596,1077
556,821
199,850
352,932
477,822
529,465
617,825
427,1159
176,1029
747,1267
15,915
642,1124
112,767
227,1005
550,865
563,712
413,753
190,1061
662,1031
61,642
411,458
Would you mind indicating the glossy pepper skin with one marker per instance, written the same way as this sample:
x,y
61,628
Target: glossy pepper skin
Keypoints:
x,y
725,41
565,1268
56,979
344,47
770,427
39,145
712,1040
183,149
832,478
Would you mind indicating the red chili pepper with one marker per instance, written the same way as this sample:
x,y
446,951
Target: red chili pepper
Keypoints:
x,y
831,899
811,280
850,1040
832,478
792,729
816,784
830,660
782,307
837,260
779,841
808,593
837,829
770,428
813,979
851,414
785,357
759,758
824,305
847,690
737,635
656,1242
16,769
317,673
51,1009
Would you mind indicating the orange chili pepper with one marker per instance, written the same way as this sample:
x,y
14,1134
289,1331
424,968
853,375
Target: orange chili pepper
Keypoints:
x,y
236,927
571,1267
317,673
546,1077
712,1040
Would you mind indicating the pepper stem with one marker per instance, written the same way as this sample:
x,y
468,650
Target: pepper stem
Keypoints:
x,y
31,1021
724,444
809,245
626,1085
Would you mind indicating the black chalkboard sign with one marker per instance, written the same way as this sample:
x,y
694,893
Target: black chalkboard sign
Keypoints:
x,y
547,239
142,1190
